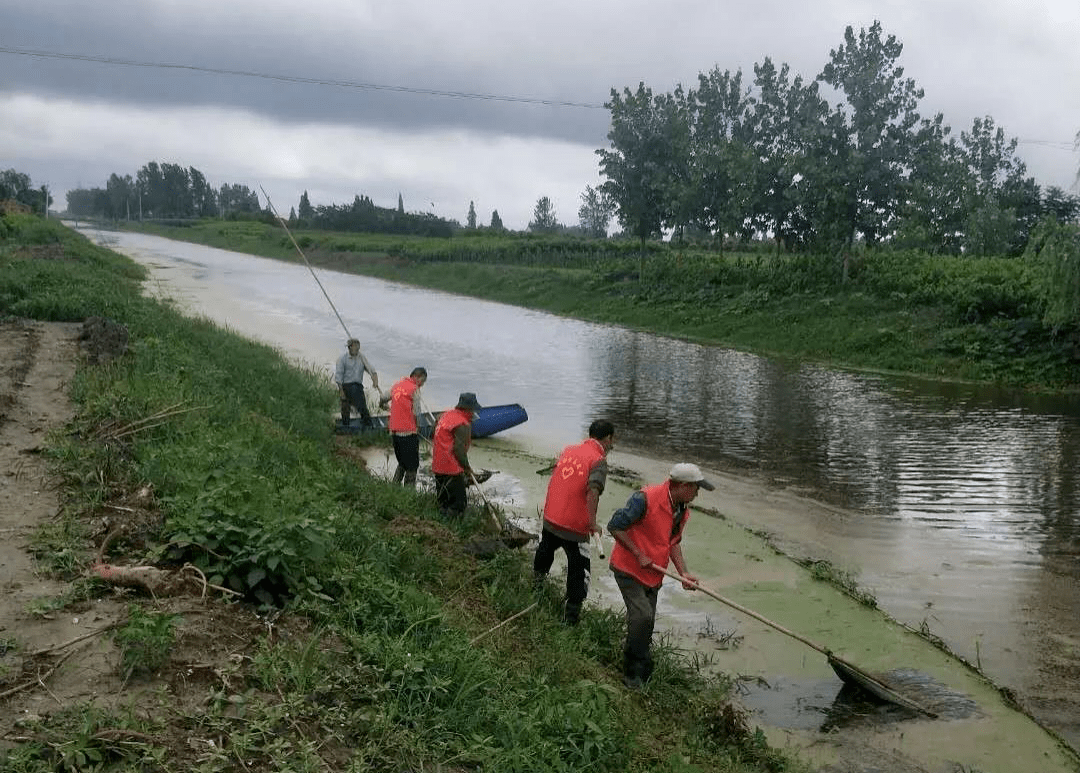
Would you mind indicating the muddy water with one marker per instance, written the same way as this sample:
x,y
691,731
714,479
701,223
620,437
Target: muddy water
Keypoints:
x,y
957,506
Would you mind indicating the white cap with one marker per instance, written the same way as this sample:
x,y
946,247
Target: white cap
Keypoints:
x,y
684,472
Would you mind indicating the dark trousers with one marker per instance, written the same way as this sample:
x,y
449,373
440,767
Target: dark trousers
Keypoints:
x,y
578,568
407,453
354,395
640,618
450,493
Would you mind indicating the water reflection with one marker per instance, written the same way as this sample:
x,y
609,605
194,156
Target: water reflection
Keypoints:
x,y
958,502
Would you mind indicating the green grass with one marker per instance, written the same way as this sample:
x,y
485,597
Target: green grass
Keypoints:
x,y
253,490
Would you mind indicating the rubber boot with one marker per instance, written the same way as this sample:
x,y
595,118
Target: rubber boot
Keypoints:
x,y
410,480
346,409
399,474
538,582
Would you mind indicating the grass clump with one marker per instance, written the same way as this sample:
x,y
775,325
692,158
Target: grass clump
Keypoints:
x,y
145,640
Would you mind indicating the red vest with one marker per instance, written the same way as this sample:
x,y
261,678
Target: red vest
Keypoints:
x,y
565,506
402,411
443,460
652,536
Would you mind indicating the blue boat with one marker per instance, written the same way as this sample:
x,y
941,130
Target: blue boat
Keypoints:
x,y
488,421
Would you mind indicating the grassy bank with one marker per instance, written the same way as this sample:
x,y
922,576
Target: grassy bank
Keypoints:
x,y
227,451
943,317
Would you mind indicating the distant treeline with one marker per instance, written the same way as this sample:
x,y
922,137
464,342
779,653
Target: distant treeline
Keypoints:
x,y
772,158
171,192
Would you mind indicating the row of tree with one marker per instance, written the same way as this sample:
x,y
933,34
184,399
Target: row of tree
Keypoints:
x,y
161,191
363,215
172,191
773,158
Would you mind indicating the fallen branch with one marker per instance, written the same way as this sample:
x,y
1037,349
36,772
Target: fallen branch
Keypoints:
x,y
157,582
504,622
40,678
76,640
114,432
205,584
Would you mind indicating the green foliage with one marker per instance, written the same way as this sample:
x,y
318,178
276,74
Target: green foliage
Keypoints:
x,y
48,272
1054,255
145,640
85,739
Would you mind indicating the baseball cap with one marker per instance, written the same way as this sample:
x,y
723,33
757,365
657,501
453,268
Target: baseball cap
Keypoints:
x,y
684,472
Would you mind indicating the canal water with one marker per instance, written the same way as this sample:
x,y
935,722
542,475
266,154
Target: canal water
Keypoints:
x,y
956,505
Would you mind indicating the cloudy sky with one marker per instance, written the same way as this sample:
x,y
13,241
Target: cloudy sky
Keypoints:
x,y
491,101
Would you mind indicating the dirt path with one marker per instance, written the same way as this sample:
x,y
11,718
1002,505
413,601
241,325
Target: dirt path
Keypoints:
x,y
37,672
40,361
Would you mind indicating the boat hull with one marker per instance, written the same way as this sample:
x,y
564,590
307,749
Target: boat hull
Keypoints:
x,y
488,421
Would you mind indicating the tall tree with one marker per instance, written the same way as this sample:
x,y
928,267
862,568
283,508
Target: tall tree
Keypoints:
x,y
544,220
877,127
1005,203
14,185
304,211
400,204
121,197
940,187
150,188
595,212
1063,207
496,221
721,158
783,124
638,165
203,197
471,218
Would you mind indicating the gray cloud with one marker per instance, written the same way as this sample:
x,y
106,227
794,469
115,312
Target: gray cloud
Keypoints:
x,y
972,57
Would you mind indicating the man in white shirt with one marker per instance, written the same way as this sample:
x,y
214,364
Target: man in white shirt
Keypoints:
x,y
349,376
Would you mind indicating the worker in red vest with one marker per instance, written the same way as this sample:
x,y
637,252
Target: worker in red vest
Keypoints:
x,y
404,432
648,531
573,494
450,455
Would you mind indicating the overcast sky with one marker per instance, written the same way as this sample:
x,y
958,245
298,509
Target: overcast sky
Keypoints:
x,y
70,122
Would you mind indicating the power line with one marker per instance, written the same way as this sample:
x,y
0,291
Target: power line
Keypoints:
x,y
1050,144
298,78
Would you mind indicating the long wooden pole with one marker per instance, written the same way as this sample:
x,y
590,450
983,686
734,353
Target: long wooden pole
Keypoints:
x,y
744,610
315,276
306,261
847,671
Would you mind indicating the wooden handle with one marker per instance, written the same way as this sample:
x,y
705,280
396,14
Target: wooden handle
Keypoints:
x,y
744,610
